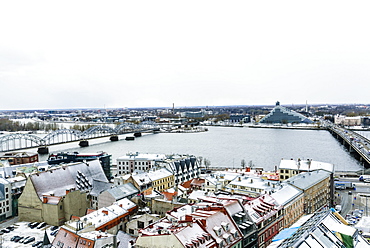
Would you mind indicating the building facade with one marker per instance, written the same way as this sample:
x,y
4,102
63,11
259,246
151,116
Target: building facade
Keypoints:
x,y
137,161
55,195
317,188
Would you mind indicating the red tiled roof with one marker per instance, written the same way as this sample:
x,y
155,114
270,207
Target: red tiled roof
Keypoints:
x,y
70,239
169,196
186,184
197,182
89,211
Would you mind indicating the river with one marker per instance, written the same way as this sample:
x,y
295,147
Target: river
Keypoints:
x,y
227,146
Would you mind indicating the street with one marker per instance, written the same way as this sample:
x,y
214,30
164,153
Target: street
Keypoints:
x,y
356,199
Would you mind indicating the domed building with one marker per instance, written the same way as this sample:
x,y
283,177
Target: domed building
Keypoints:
x,y
280,114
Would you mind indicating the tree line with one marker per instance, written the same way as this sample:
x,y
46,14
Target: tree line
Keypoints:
x,y
15,126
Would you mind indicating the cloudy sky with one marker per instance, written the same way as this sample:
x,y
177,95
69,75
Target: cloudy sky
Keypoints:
x,y
74,54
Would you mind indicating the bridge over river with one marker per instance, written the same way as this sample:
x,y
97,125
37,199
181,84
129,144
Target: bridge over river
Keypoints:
x,y
356,144
17,141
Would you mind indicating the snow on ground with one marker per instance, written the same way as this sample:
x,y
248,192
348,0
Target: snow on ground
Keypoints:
x,y
22,229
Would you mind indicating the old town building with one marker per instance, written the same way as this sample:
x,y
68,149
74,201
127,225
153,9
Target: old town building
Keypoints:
x,y
317,189
267,214
292,200
55,195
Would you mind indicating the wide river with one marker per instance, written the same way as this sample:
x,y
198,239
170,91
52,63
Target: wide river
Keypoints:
x,y
227,146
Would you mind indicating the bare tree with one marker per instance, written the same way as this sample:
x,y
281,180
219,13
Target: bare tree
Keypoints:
x,y
207,163
242,163
200,159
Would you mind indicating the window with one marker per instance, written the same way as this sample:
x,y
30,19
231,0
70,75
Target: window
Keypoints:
x,y
131,231
140,224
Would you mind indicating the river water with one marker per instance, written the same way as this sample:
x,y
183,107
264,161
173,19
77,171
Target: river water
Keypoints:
x,y
227,146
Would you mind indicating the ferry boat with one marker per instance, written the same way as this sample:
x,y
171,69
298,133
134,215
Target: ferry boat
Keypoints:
x,y
70,157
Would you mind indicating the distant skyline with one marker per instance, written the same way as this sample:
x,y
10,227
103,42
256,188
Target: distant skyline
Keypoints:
x,y
116,54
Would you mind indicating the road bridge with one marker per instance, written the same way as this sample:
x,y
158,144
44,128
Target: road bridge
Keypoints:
x,y
19,141
354,142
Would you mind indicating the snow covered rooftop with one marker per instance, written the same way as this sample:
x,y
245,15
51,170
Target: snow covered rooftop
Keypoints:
x,y
142,157
106,214
305,165
286,193
158,174
305,180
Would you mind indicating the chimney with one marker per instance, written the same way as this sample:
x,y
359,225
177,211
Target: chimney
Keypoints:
x,y
67,191
44,199
105,212
188,218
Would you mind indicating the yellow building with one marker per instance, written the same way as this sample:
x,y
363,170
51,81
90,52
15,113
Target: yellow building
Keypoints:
x,y
162,179
292,200
289,167
316,187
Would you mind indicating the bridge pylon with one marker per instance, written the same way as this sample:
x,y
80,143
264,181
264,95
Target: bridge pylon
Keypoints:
x,y
43,150
137,134
83,143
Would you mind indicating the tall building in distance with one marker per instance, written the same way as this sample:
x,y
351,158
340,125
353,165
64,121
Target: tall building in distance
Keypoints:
x,y
282,115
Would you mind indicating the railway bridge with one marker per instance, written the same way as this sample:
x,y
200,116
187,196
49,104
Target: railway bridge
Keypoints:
x,y
19,141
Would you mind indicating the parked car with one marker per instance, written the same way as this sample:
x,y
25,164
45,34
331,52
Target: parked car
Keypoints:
x,y
54,233
14,237
10,228
18,238
36,244
22,241
54,228
41,225
29,240
33,225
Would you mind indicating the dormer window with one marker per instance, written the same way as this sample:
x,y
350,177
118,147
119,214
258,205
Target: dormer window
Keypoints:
x,y
225,226
234,233
217,230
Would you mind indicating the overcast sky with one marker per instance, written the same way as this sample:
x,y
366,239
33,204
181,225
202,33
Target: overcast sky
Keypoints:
x,y
82,54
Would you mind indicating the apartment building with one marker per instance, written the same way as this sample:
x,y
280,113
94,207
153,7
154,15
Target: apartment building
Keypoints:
x,y
109,219
116,193
6,210
324,229
162,179
292,200
317,189
267,214
80,237
137,161
251,185
289,167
